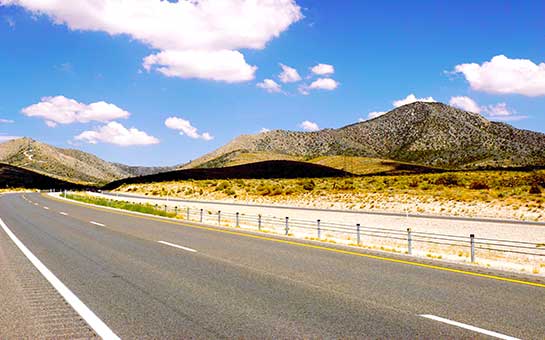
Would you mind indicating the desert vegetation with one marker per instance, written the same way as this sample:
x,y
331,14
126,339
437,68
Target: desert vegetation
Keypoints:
x,y
506,194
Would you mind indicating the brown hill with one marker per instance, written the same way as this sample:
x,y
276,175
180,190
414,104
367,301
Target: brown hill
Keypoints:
x,y
14,177
430,134
67,164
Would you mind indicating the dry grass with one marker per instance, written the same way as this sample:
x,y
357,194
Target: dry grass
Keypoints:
x,y
485,193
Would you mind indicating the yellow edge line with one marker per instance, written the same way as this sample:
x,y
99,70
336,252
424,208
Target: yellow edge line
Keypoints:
x,y
347,252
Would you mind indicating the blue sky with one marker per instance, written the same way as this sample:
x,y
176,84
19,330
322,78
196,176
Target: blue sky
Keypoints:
x,y
484,55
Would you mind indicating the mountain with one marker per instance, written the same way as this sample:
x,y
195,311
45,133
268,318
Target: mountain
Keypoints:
x,y
66,164
428,134
15,177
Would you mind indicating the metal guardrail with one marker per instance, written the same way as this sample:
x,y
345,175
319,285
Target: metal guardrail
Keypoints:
x,y
360,232
410,237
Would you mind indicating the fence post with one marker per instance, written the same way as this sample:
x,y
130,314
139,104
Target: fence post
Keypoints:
x,y
358,233
287,225
201,215
219,217
236,220
259,222
188,213
318,228
472,242
410,241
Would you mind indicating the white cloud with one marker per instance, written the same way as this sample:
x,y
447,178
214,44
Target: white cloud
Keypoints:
x,y
117,134
324,84
185,128
323,69
465,103
8,138
288,74
411,98
375,114
499,111
309,126
225,65
6,121
264,130
179,28
62,110
502,75
270,86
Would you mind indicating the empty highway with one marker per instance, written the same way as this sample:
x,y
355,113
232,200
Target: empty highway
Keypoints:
x,y
145,277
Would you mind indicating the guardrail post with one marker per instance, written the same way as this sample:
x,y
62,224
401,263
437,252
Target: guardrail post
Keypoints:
x,y
165,208
259,222
287,225
410,241
176,210
358,233
318,228
201,218
236,220
219,217
188,213
472,243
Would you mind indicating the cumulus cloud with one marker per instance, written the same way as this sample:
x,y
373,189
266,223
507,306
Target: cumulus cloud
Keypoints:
x,y
117,134
264,130
270,86
499,111
502,75
323,69
324,84
288,74
411,98
374,114
180,30
6,121
309,126
185,128
465,103
62,110
225,65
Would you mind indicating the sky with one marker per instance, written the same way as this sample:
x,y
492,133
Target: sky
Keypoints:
x,y
151,82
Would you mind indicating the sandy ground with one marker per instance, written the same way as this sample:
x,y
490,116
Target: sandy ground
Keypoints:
x,y
274,221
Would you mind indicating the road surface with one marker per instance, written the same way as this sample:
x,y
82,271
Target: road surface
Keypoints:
x,y
147,277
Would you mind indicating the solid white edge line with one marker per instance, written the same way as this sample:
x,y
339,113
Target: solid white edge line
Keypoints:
x,y
100,328
63,213
177,246
469,327
96,223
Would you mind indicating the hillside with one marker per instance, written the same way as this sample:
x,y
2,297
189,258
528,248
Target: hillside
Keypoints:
x,y
429,134
15,177
259,170
66,164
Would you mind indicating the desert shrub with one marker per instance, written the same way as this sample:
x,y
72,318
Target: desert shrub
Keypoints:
x,y
346,184
308,184
447,180
413,183
479,185
223,185
534,189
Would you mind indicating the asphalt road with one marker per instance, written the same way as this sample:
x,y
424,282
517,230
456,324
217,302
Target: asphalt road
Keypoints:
x,y
380,213
144,277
